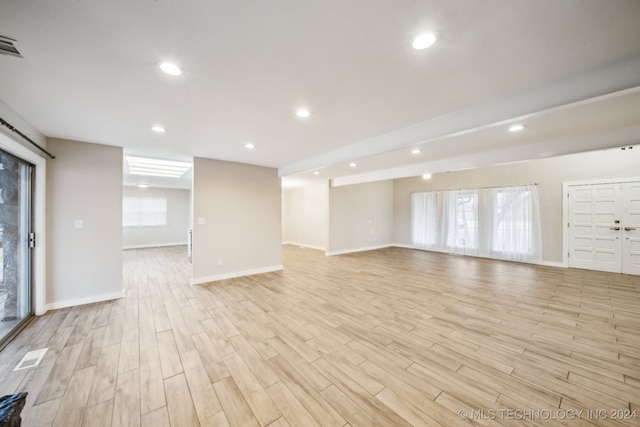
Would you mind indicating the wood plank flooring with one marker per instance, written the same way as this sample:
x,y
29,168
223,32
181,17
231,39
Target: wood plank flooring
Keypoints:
x,y
393,337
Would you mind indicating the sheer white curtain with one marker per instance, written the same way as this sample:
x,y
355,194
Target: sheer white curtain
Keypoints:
x,y
516,224
424,208
461,221
495,222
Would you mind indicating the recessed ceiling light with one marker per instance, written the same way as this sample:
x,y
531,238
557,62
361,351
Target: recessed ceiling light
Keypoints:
x,y
424,41
143,185
249,146
516,128
426,176
170,68
158,129
316,173
416,151
303,113
352,165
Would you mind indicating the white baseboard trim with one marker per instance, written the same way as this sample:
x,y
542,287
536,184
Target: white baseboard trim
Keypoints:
x,y
363,249
85,300
545,263
215,278
160,245
553,264
402,245
305,245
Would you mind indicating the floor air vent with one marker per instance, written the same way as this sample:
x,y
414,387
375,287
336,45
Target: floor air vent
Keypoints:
x,y
31,359
9,47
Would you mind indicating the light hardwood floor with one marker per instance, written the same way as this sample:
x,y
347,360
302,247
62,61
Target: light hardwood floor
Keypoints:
x,y
392,337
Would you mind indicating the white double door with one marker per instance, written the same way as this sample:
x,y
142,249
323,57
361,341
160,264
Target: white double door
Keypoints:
x,y
604,227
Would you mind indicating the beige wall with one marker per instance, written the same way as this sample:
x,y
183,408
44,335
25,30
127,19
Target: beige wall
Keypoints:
x,y
360,217
178,213
240,206
84,183
305,213
548,173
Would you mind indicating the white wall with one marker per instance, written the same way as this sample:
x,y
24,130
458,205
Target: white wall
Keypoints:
x,y
178,214
549,174
240,206
13,118
360,217
305,214
84,183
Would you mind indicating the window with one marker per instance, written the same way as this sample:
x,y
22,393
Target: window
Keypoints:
x,y
513,221
462,219
424,219
493,222
140,211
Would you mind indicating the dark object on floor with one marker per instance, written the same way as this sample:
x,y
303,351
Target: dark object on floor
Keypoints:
x,y
10,407
6,319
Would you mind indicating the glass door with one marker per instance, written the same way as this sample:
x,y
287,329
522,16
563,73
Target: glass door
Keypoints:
x,y
15,242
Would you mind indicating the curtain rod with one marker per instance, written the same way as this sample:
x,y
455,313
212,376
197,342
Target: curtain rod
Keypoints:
x,y
32,142
478,188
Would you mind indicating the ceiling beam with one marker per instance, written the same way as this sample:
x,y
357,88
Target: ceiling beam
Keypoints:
x,y
621,76
550,148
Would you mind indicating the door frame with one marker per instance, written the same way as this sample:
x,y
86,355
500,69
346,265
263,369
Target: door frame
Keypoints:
x,y
38,209
565,207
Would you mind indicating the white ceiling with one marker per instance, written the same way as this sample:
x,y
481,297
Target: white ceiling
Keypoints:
x,y
569,69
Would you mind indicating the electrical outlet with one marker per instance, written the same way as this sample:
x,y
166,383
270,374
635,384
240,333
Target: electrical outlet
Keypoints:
x,y
220,261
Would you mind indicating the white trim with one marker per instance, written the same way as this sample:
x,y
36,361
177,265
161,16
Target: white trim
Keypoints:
x,y
565,220
159,245
401,245
39,258
601,181
363,249
215,278
533,262
565,207
441,251
305,245
552,264
85,300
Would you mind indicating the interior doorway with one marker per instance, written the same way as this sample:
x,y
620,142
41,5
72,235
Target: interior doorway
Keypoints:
x,y
157,202
603,222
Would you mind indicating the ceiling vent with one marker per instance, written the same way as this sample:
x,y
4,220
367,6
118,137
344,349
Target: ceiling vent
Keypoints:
x,y
9,47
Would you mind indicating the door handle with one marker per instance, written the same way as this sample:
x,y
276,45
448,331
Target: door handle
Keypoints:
x,y
616,228
629,228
